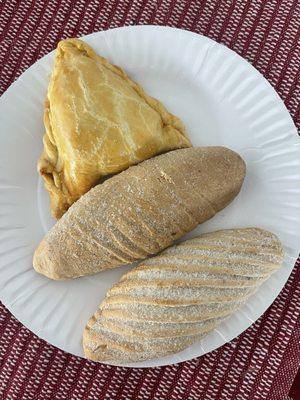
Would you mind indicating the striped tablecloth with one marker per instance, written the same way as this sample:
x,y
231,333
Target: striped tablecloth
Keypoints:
x,y
263,361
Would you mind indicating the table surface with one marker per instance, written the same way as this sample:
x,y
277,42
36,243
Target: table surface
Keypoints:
x,y
262,362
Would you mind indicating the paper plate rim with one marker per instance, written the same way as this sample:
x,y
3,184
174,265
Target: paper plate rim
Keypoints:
x,y
293,134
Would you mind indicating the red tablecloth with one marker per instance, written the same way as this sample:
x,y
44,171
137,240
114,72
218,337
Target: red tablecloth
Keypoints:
x,y
263,361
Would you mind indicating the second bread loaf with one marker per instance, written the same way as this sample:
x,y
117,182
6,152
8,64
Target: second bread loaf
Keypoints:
x,y
171,301
141,211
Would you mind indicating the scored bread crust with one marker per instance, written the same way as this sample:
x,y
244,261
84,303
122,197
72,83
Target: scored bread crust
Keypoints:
x,y
174,299
141,211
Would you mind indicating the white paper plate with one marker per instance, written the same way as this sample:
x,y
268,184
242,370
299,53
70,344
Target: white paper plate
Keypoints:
x,y
222,100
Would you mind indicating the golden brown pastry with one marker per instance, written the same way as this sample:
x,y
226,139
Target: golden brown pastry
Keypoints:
x,y
98,122
174,299
140,211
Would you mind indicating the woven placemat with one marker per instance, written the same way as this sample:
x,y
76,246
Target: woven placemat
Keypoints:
x,y
263,361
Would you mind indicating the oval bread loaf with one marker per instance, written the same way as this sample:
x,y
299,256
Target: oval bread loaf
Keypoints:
x,y
141,211
174,299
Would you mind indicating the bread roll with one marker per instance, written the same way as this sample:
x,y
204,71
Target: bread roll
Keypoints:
x,y
141,211
174,299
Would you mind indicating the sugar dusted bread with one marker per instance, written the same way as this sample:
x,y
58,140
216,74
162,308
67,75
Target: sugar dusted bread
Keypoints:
x,y
174,299
141,211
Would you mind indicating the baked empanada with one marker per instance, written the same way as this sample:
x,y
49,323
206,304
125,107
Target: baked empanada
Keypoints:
x,y
98,122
